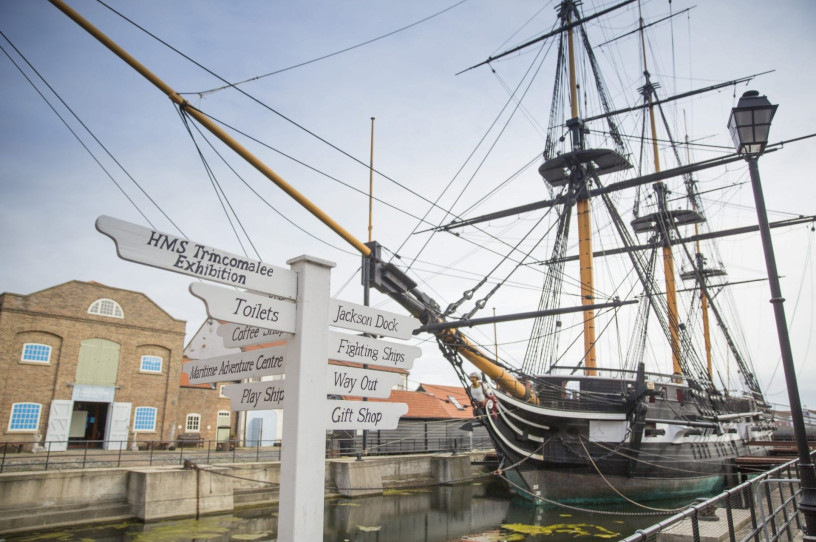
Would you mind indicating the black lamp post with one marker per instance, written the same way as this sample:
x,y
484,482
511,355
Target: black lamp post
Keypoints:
x,y
749,124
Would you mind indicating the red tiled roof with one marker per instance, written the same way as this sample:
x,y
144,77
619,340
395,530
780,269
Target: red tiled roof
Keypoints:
x,y
425,405
184,381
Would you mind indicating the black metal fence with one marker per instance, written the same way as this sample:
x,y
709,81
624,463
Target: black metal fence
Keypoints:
x,y
763,508
19,457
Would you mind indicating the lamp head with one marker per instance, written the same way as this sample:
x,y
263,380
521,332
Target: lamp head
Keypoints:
x,y
750,123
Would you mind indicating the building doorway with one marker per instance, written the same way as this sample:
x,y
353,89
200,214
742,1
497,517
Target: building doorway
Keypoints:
x,y
88,421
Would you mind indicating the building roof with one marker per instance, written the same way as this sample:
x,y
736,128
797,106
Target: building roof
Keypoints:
x,y
435,405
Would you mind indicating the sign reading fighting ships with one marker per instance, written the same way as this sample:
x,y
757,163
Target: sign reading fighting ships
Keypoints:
x,y
166,251
360,382
345,347
261,362
246,308
347,415
266,395
239,335
368,320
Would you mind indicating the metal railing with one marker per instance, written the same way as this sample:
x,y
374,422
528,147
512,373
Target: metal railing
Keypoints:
x,y
18,456
764,508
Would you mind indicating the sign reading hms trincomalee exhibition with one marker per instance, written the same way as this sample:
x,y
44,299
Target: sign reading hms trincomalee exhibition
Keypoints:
x,y
166,251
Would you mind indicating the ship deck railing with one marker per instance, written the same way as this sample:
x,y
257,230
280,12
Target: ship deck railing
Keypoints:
x,y
762,509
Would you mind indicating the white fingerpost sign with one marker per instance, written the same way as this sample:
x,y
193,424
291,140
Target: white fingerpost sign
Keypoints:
x,y
265,395
240,335
253,363
347,347
166,251
374,321
245,307
348,415
361,382
303,449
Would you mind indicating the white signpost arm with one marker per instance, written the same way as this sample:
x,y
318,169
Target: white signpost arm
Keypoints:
x,y
303,448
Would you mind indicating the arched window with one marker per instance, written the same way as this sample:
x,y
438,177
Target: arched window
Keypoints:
x,y
106,307
193,423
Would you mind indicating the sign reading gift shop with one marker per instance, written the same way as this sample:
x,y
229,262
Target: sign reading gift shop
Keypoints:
x,y
349,415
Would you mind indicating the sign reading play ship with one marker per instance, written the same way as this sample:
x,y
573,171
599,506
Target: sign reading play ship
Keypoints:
x,y
267,395
166,251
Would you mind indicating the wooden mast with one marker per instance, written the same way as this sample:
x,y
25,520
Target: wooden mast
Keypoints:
x,y
584,215
664,232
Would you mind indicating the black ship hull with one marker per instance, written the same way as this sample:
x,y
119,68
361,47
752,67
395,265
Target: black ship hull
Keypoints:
x,y
576,446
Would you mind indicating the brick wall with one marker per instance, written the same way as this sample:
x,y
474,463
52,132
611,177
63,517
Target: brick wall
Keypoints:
x,y
59,317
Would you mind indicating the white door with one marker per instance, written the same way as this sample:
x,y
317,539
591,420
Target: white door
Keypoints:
x,y
118,426
59,423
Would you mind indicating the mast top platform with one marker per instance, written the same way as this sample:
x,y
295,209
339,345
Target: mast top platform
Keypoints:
x,y
557,171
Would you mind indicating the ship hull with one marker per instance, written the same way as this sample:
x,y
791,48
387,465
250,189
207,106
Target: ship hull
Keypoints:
x,y
568,450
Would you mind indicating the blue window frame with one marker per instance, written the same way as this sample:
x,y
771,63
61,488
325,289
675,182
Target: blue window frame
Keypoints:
x,y
40,353
144,419
151,364
24,417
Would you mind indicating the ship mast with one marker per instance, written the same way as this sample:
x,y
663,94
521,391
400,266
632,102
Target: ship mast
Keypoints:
x,y
583,209
664,220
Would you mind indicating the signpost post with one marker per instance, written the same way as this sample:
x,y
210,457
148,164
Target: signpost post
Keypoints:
x,y
303,448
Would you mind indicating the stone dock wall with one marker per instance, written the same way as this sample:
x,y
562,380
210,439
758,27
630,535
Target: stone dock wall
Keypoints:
x,y
50,499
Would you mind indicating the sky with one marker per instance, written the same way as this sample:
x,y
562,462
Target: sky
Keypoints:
x,y
316,76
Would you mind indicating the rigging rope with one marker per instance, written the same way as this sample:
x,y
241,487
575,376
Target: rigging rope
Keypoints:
x,y
324,57
90,132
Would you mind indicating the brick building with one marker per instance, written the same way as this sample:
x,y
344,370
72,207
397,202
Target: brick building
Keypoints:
x,y
83,361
